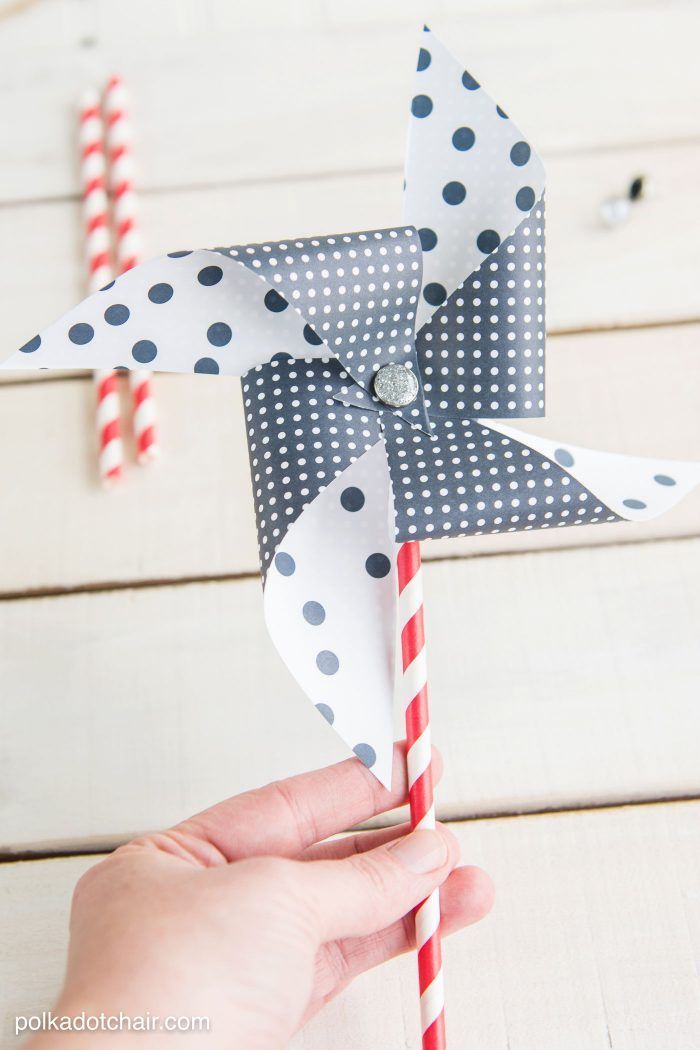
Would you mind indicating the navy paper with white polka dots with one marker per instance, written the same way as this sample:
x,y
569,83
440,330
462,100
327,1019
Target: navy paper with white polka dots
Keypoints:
x,y
299,439
469,480
358,292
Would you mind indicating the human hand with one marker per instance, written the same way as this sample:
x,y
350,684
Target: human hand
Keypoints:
x,y
243,914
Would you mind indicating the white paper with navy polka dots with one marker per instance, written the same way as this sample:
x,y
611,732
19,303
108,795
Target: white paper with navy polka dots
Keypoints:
x,y
187,312
471,175
330,607
338,476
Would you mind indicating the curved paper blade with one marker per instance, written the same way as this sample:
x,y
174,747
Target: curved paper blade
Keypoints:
x,y
471,175
295,454
482,352
330,607
186,312
470,480
477,477
228,310
634,487
357,291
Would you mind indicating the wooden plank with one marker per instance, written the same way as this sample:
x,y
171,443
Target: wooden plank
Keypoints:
x,y
591,943
597,277
247,96
562,678
366,13
197,500
626,391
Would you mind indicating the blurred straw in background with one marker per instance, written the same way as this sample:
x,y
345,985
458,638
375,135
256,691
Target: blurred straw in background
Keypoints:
x,y
99,273
128,248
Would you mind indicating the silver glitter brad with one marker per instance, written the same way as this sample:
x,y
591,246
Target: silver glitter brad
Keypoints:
x,y
396,385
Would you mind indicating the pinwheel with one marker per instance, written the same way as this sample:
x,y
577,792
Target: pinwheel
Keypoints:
x,y
381,371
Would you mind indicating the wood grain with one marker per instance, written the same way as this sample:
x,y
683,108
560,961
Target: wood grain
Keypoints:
x,y
192,516
209,86
591,943
558,679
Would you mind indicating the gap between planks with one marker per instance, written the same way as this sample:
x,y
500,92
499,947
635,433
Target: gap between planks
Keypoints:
x,y
336,48
107,586
591,943
136,703
245,181
95,846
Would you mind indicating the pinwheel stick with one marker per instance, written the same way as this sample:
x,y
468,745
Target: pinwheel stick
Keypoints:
x,y
420,786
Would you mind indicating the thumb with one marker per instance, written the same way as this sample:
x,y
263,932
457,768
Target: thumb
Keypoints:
x,y
364,893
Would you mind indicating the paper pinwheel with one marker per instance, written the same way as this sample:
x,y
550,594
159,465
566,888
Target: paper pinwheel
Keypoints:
x,y
380,370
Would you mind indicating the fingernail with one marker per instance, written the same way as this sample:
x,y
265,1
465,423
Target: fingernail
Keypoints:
x,y
421,851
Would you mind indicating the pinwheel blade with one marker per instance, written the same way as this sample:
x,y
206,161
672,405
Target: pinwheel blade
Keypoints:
x,y
471,175
330,607
197,311
633,488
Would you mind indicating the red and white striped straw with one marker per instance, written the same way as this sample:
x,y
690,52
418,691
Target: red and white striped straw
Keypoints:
x,y
97,255
420,787
128,248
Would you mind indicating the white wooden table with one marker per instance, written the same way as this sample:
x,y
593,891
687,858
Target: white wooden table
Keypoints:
x,y
130,624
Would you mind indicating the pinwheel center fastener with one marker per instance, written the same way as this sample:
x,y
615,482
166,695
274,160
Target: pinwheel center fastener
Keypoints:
x,y
396,385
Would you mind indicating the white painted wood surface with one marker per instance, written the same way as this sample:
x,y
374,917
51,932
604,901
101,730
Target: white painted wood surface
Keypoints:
x,y
557,679
592,944
209,94
562,678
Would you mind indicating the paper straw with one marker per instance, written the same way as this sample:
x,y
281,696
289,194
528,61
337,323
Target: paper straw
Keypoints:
x,y
420,787
128,249
97,256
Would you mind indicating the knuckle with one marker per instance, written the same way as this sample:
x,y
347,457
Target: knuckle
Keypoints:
x,y
276,871
82,886
408,929
335,963
277,879
281,885
378,877
302,814
91,880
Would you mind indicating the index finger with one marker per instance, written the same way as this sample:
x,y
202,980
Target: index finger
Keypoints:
x,y
287,816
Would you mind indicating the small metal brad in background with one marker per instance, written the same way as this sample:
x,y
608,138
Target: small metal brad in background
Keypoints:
x,y
616,210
